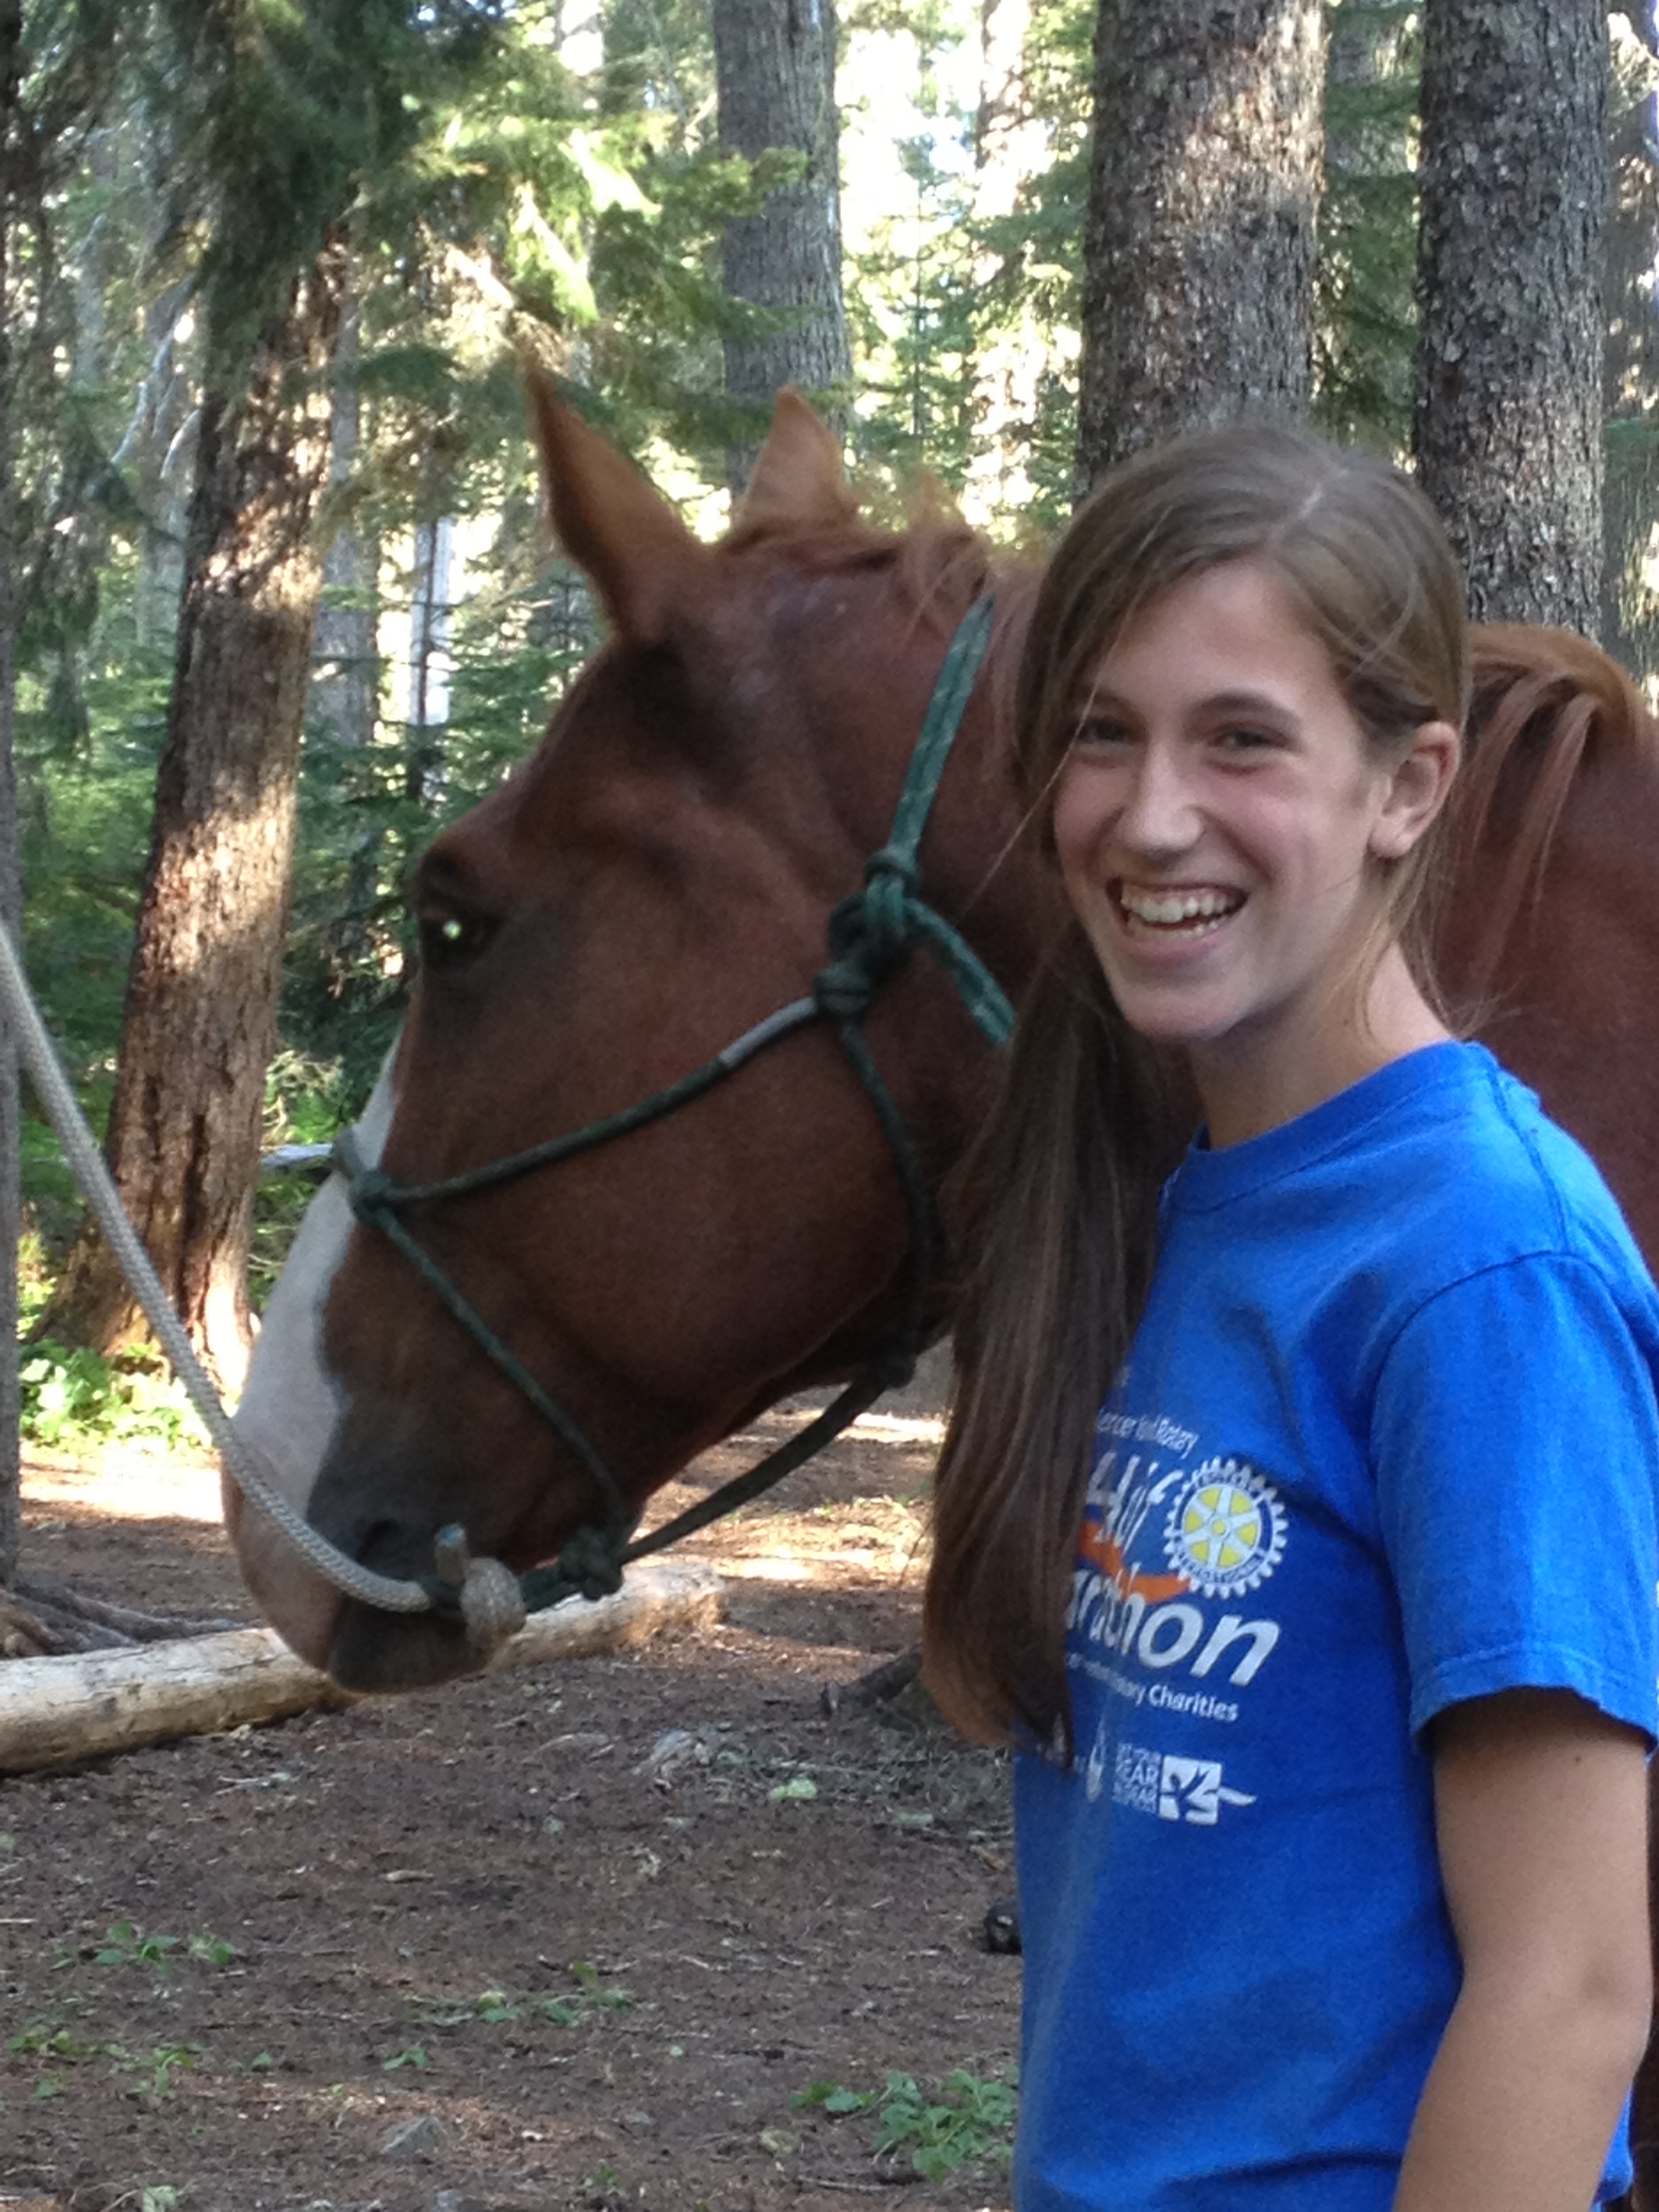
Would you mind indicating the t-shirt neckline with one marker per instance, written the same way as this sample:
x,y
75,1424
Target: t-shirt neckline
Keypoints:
x,y
1207,1178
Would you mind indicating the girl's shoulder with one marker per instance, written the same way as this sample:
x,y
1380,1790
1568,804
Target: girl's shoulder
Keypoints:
x,y
1511,1182
1491,1199
1436,1169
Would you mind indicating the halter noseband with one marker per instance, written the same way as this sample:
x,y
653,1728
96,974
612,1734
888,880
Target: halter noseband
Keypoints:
x,y
871,934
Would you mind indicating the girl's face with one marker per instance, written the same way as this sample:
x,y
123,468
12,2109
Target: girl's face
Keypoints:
x,y
1224,834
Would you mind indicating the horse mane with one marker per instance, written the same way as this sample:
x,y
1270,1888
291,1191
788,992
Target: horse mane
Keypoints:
x,y
1545,705
938,561
940,565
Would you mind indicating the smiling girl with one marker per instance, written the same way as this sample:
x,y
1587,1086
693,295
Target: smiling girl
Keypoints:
x,y
1299,1526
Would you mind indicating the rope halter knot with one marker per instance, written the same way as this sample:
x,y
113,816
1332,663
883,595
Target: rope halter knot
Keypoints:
x,y
591,1562
870,933
373,1194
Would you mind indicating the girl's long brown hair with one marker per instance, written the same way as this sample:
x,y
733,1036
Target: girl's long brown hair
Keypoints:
x,y
1056,1207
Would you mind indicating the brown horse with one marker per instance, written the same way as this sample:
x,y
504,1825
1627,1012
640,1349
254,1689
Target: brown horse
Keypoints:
x,y
658,878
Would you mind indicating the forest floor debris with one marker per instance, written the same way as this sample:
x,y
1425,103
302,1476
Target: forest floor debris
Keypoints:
x,y
582,1918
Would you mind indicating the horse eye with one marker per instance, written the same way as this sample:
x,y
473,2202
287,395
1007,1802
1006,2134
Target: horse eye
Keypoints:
x,y
448,938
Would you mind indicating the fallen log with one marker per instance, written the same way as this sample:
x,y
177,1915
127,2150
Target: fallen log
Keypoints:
x,y
87,1703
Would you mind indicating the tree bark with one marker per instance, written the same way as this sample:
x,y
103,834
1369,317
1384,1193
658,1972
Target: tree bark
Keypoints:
x,y
1199,248
11,69
1515,182
775,62
200,1020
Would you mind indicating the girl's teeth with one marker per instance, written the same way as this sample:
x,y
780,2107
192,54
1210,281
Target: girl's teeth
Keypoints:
x,y
1174,910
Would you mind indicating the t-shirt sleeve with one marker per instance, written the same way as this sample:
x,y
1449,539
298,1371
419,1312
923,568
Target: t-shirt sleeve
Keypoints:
x,y
1515,1444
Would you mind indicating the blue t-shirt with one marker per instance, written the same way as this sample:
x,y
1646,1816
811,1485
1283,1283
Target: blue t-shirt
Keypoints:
x,y
1386,1440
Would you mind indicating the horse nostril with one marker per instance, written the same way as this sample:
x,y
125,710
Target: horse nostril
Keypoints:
x,y
382,1543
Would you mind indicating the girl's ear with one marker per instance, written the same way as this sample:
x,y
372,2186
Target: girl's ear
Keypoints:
x,y
1418,787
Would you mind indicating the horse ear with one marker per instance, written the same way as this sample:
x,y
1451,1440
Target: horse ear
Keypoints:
x,y
614,524
797,483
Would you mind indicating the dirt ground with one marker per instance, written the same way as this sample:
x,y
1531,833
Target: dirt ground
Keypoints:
x,y
559,1920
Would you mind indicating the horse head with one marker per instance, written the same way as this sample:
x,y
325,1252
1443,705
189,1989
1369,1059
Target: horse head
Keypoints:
x,y
657,879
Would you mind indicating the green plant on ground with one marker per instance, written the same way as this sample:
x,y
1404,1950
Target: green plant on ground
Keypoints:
x,y
493,2006
565,2008
50,2039
590,1996
602,2189
125,1944
129,1945
967,2120
156,2068
75,1397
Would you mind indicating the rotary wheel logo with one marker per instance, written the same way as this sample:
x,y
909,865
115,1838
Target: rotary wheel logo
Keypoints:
x,y
1225,1531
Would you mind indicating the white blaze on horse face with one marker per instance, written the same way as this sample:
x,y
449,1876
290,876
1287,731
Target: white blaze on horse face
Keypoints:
x,y
292,1401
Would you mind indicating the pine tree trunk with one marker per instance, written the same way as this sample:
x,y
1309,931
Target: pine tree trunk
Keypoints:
x,y
775,64
1507,411
11,64
200,1021
1203,190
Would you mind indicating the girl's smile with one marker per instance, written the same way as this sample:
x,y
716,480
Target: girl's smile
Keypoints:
x,y
1176,912
1224,829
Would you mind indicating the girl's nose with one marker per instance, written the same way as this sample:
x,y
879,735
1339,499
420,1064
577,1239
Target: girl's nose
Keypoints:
x,y
1160,815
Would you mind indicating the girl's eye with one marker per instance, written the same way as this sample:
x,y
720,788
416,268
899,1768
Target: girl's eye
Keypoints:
x,y
1245,737
1097,730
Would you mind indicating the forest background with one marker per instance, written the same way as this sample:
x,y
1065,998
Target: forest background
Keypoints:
x,y
283,254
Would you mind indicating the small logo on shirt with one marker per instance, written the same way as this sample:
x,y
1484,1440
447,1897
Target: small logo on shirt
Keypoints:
x,y
1166,1786
1225,1531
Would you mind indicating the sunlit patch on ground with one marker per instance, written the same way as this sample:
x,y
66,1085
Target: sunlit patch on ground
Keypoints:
x,y
126,1485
